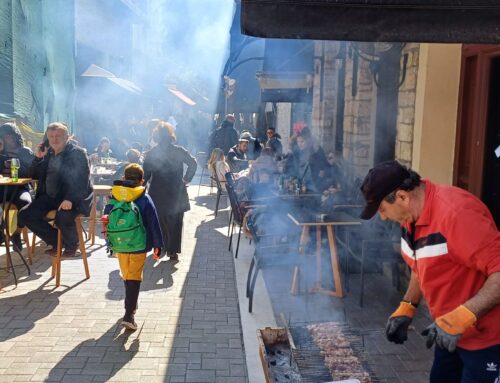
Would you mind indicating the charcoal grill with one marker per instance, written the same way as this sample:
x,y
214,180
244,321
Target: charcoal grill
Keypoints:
x,y
303,355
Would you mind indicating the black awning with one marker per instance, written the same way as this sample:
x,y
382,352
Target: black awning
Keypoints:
x,y
443,21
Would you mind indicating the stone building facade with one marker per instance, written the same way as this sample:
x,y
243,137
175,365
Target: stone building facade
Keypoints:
x,y
342,72
406,106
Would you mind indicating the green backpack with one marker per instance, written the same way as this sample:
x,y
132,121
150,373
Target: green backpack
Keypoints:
x,y
126,232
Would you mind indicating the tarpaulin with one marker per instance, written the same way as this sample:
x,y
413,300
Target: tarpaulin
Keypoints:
x,y
444,21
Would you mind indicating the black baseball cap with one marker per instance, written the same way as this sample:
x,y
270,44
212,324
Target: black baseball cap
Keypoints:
x,y
380,181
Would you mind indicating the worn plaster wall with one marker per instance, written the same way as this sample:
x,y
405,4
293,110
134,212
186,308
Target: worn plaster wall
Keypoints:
x,y
37,64
6,83
436,108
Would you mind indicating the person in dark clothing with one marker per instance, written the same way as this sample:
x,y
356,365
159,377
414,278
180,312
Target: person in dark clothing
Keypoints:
x,y
63,174
307,163
102,151
164,170
274,142
132,263
133,157
225,136
254,145
332,177
13,147
237,157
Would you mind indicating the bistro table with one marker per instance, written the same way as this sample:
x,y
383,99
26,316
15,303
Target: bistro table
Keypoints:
x,y
7,183
99,172
307,220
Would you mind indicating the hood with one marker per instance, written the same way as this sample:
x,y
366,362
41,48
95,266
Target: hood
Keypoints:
x,y
124,193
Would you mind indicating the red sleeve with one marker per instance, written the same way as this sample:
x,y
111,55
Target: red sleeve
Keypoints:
x,y
473,239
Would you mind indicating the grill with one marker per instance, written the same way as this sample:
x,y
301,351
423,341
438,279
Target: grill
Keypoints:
x,y
307,355
291,355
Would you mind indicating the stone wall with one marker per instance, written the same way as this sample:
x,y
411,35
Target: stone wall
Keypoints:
x,y
358,116
325,91
406,105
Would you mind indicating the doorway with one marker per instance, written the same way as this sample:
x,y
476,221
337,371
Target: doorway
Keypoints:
x,y
477,161
491,174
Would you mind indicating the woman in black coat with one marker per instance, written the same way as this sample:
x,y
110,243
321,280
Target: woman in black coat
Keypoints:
x,y
164,170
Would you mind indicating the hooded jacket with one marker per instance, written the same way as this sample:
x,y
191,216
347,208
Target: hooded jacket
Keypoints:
x,y
73,180
123,191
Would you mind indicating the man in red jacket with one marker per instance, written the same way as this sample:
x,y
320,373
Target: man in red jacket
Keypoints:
x,y
452,245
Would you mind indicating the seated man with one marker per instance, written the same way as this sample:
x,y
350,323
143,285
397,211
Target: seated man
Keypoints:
x,y
133,157
63,175
13,147
237,157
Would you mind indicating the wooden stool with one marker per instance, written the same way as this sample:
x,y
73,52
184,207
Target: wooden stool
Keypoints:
x,y
26,239
99,191
56,261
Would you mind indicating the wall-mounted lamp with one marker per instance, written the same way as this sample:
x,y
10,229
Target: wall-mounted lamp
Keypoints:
x,y
375,57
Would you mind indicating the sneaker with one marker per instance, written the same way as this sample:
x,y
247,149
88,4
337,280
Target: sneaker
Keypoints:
x,y
52,251
69,252
129,323
16,241
173,257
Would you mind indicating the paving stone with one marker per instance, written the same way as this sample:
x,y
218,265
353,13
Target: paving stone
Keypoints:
x,y
202,376
73,333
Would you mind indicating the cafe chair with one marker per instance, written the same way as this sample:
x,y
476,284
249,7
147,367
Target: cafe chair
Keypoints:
x,y
202,158
56,260
236,212
220,191
275,245
13,213
100,191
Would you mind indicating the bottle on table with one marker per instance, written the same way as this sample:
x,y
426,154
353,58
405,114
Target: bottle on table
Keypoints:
x,y
14,169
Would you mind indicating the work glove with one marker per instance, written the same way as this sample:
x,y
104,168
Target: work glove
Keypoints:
x,y
447,329
156,254
396,329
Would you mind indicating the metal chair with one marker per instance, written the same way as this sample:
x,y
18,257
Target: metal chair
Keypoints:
x,y
374,241
236,212
220,191
272,247
202,158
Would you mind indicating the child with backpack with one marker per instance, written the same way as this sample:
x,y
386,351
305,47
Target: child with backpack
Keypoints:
x,y
132,230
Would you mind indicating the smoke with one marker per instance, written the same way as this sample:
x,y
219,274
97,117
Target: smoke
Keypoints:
x,y
150,48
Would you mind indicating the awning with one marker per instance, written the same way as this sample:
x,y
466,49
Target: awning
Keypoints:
x,y
445,21
182,96
96,71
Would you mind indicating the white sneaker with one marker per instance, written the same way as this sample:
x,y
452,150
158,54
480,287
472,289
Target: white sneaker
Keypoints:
x,y
129,323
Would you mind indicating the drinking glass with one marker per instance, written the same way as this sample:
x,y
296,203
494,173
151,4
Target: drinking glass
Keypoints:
x,y
14,162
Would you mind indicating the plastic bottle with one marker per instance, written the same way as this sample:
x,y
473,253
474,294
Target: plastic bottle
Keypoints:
x,y
14,170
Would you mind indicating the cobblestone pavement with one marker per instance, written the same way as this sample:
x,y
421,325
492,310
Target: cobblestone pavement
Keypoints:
x,y
188,316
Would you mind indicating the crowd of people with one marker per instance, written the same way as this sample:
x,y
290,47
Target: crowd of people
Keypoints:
x,y
449,239
258,165
62,171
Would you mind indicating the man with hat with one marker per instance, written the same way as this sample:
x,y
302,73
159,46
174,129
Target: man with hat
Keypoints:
x,y
254,145
451,243
237,156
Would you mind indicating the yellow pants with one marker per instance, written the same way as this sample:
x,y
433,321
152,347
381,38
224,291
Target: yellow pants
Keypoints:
x,y
131,265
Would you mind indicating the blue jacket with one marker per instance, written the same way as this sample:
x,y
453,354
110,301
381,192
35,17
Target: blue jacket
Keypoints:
x,y
122,192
